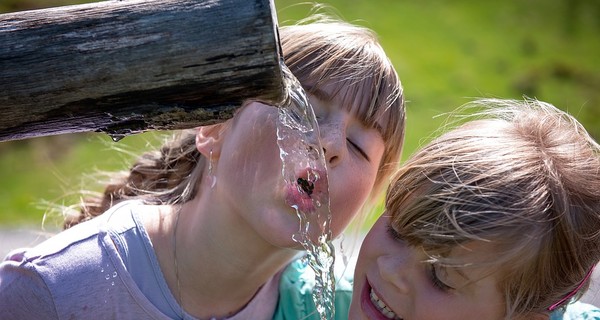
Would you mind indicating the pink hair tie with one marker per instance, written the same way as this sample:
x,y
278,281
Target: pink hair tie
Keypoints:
x,y
572,293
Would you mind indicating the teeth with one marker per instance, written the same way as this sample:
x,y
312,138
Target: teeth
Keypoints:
x,y
382,307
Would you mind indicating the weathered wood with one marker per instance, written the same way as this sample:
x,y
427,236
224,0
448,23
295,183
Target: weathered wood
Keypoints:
x,y
134,65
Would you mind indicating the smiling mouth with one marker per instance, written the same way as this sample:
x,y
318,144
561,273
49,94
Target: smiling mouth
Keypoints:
x,y
382,307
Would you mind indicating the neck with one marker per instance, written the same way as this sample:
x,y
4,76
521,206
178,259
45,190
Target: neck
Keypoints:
x,y
219,265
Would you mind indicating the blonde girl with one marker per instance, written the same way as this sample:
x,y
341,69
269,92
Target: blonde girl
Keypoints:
x,y
496,219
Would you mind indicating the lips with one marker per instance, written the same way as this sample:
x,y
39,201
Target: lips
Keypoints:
x,y
307,190
374,307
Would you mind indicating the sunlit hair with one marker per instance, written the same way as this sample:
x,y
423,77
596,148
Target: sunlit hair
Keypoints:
x,y
322,52
524,177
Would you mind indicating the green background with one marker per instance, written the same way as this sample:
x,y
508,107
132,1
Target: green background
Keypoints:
x,y
446,53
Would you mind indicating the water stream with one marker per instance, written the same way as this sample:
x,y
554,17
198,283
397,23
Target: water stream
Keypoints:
x,y
304,168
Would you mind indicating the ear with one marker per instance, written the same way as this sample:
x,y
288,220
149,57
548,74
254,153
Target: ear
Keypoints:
x,y
209,139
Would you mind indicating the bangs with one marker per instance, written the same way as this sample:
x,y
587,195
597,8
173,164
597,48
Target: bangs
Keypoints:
x,y
348,60
368,97
453,192
442,221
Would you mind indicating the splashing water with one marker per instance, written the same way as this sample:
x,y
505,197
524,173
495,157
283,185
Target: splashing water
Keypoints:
x,y
305,169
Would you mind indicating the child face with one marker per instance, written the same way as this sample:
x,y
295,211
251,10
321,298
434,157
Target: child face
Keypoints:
x,y
249,169
393,281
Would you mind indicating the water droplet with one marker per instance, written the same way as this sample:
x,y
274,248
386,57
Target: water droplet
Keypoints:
x,y
102,270
116,137
295,238
114,274
112,283
315,175
107,276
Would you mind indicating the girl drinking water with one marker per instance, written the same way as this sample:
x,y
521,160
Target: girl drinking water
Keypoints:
x,y
202,228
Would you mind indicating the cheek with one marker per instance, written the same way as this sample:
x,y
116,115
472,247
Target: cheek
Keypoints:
x,y
349,190
250,157
345,206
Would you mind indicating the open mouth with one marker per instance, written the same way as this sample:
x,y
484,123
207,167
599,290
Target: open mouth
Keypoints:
x,y
382,307
308,190
306,185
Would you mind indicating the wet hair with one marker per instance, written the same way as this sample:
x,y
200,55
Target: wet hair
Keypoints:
x,y
319,51
523,177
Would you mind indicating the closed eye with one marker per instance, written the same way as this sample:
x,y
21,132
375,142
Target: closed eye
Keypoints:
x,y
435,279
358,149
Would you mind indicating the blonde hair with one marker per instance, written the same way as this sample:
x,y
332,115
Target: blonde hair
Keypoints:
x,y
523,177
321,51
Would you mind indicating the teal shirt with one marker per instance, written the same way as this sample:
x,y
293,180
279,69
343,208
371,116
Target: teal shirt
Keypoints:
x,y
577,311
295,295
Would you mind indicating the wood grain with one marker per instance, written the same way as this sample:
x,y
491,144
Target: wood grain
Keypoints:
x,y
135,65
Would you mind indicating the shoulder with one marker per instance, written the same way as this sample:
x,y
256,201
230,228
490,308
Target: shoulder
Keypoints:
x,y
82,238
57,264
20,285
77,272
39,273
296,287
578,311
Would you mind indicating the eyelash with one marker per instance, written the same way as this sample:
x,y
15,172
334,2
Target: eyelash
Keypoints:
x,y
355,146
436,281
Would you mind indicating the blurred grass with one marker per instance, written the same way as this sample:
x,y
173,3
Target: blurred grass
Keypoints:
x,y
446,52
52,170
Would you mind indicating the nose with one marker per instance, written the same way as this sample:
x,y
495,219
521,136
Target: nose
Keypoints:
x,y
397,271
333,141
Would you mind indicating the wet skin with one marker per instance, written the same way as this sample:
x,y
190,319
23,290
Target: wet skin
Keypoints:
x,y
250,184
